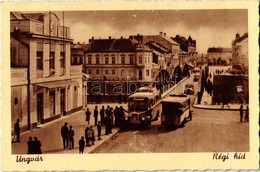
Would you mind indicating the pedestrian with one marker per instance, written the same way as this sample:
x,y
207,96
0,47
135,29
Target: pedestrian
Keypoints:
x,y
107,121
116,114
37,146
30,146
71,137
87,113
86,136
81,145
121,115
93,139
17,130
89,136
102,115
247,114
110,120
107,110
64,135
99,128
95,115
241,112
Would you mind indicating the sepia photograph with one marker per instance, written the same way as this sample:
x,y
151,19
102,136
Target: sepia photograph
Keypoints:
x,y
131,82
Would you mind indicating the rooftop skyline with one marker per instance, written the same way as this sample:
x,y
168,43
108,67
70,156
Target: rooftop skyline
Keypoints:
x,y
210,28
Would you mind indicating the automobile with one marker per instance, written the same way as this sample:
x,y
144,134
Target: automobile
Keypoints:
x,y
189,89
196,77
155,93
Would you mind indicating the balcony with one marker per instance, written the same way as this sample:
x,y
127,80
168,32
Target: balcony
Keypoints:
x,y
76,70
18,75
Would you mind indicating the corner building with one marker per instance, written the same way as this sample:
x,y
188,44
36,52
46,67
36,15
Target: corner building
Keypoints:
x,y
118,60
44,85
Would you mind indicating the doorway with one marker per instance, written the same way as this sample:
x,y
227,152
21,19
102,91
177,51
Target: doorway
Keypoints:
x,y
40,108
62,101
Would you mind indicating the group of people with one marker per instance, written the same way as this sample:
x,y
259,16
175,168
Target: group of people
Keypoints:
x,y
108,117
241,112
67,134
34,146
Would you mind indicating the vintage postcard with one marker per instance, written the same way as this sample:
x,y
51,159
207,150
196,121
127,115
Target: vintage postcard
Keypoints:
x,y
123,85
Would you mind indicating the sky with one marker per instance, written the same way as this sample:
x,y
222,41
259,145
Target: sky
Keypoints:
x,y
208,27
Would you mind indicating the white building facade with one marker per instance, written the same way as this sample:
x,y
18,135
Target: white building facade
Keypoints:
x,y
44,85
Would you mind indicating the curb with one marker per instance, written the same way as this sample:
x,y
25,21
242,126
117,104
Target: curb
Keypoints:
x,y
211,107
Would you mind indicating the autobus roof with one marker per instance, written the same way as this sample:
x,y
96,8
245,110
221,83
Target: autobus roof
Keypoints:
x,y
175,99
141,95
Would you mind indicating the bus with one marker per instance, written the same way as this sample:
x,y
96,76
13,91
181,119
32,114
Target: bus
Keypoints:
x,y
140,109
175,110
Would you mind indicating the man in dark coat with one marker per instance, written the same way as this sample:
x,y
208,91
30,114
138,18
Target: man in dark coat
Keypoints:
x,y
99,127
102,115
95,115
37,146
17,130
87,113
64,135
71,137
30,146
81,145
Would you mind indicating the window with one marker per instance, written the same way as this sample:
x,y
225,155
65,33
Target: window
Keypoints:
x,y
113,72
149,60
106,72
122,59
131,59
147,72
140,60
113,60
97,59
62,58
39,60
52,61
89,71
106,59
89,59
97,72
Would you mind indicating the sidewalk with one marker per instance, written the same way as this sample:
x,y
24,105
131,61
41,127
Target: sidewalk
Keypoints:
x,y
50,137
206,103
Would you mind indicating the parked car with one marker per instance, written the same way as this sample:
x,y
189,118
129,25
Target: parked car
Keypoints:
x,y
196,77
189,89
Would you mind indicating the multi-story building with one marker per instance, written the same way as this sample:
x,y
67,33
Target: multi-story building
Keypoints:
x,y
118,59
44,84
240,51
187,46
219,55
162,39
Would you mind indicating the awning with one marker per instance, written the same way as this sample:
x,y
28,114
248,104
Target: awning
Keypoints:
x,y
54,84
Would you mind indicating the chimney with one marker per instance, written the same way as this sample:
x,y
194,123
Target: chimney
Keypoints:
x,y
78,42
109,37
161,33
164,34
92,38
121,37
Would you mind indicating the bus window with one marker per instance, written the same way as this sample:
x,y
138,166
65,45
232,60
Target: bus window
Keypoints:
x,y
138,105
